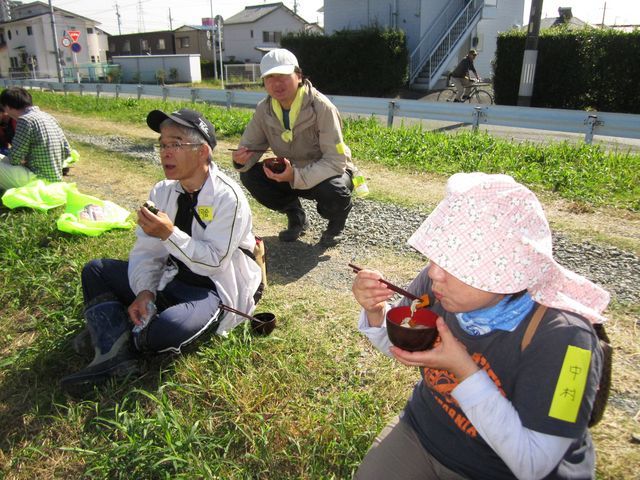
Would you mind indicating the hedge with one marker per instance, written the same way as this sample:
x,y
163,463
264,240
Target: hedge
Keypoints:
x,y
587,69
370,62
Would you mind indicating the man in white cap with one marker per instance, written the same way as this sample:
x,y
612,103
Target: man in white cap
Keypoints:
x,y
304,128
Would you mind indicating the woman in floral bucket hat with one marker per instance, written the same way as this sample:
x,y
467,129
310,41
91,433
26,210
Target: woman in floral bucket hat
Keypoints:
x,y
486,407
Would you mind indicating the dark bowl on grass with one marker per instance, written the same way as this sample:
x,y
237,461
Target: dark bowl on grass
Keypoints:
x,y
275,164
412,339
264,324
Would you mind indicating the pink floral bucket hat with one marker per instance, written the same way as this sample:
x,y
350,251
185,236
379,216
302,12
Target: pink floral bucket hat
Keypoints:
x,y
491,233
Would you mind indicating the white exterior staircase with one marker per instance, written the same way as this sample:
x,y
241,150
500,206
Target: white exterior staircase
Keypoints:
x,y
441,42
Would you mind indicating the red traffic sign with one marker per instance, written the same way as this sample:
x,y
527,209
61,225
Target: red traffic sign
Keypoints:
x,y
74,35
66,42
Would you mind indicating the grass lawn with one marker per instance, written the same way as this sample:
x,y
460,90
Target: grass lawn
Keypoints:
x,y
303,403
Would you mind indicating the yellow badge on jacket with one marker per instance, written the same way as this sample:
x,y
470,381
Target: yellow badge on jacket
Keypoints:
x,y
205,213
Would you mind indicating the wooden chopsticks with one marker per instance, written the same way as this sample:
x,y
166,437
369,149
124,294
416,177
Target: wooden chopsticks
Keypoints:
x,y
389,285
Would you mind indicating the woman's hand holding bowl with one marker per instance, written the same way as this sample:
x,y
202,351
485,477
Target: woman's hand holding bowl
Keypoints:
x,y
449,355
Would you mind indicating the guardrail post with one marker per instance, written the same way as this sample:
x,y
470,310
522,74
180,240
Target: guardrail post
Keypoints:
x,y
165,93
81,89
194,95
478,115
591,122
391,110
140,88
64,89
98,90
118,87
229,94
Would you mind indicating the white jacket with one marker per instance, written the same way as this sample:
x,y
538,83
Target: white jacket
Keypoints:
x,y
213,252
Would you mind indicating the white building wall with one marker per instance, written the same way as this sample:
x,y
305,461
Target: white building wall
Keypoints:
x,y
40,43
144,67
495,20
239,43
415,17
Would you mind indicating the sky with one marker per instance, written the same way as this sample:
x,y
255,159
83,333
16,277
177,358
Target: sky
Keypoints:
x,y
155,13
616,12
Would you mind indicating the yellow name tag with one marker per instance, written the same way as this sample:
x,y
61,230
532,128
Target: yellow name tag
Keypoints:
x,y
340,148
571,384
205,213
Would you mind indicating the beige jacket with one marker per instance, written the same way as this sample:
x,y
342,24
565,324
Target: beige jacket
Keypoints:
x,y
317,151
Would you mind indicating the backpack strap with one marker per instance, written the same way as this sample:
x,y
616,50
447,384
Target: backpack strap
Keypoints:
x,y
533,326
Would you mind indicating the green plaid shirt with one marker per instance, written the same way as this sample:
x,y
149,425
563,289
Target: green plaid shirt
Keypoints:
x,y
39,144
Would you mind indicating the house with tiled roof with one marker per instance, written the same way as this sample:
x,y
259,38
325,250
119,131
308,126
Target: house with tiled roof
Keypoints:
x,y
249,34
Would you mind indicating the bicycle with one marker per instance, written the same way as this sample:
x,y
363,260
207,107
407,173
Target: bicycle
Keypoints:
x,y
476,96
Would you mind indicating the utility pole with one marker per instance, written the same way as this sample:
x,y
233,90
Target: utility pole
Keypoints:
x,y
213,44
55,43
118,17
530,57
170,20
604,10
141,28
219,26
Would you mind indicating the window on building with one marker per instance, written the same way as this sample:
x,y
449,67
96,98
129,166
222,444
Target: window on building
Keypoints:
x,y
271,37
14,62
89,30
9,34
161,45
29,30
144,45
126,46
93,59
112,47
251,32
185,42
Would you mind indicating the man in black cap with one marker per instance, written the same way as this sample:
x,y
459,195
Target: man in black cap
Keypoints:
x,y
461,77
193,251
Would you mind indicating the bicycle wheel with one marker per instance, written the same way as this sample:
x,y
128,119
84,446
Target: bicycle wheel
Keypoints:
x,y
447,95
481,97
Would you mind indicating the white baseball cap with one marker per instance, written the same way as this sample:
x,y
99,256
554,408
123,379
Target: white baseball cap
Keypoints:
x,y
280,61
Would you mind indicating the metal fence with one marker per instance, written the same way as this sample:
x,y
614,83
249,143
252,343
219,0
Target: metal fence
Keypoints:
x,y
621,125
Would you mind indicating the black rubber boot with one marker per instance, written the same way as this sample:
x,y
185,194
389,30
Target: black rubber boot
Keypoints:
x,y
109,327
297,224
333,234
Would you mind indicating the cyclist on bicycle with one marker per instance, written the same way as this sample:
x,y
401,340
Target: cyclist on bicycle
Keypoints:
x,y
461,77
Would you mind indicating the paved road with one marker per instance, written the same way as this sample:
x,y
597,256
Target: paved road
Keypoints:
x,y
516,134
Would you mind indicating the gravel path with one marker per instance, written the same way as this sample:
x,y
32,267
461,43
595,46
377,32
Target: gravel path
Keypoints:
x,y
389,226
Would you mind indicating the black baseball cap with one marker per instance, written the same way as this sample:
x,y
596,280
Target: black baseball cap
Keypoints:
x,y
187,118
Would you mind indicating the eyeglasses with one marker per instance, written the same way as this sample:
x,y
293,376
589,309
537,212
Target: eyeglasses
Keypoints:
x,y
158,147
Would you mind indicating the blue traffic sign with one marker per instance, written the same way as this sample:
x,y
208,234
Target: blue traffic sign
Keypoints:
x,y
75,47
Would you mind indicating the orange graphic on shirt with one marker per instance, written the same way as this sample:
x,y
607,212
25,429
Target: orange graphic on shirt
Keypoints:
x,y
441,383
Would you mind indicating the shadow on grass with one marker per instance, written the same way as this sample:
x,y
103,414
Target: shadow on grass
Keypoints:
x,y
287,262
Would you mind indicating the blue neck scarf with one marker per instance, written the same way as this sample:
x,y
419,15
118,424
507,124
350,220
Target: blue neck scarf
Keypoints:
x,y
505,315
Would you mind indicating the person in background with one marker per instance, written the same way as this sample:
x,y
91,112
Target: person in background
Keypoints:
x,y
461,76
300,124
39,147
7,130
486,406
194,250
